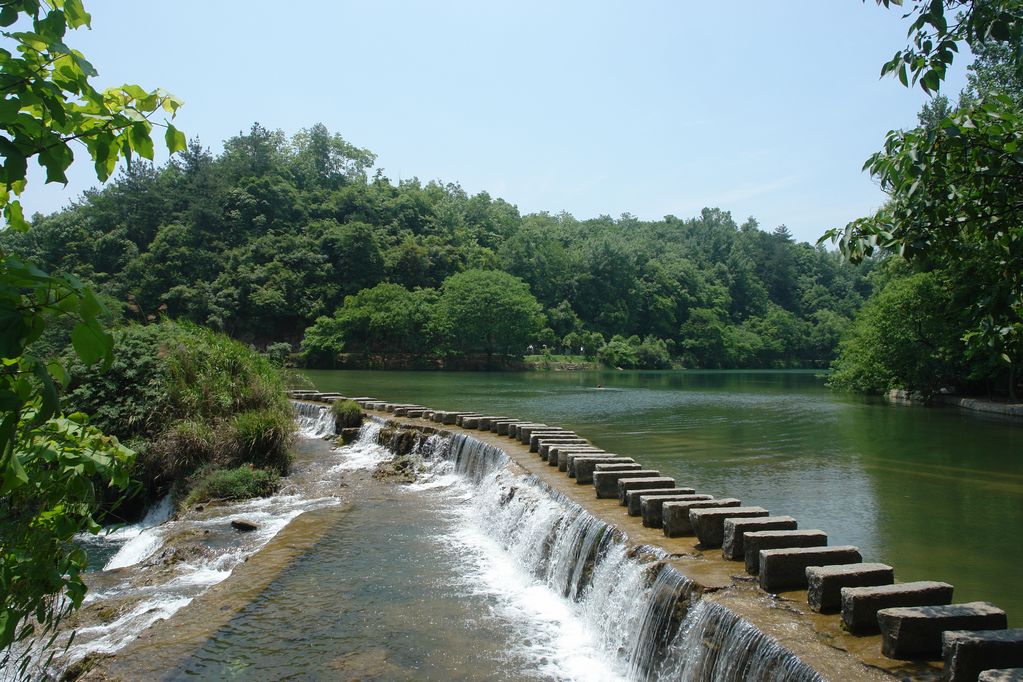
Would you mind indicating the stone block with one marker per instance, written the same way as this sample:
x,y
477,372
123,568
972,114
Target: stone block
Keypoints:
x,y
634,498
914,632
1002,675
709,524
546,444
470,422
522,431
501,426
967,653
567,453
825,583
460,418
628,484
537,436
586,466
778,539
486,420
651,506
861,604
675,514
785,569
732,546
605,480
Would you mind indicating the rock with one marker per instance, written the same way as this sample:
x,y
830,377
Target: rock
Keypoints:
x,y
967,653
605,482
915,632
861,604
634,498
709,524
651,506
675,514
627,485
825,583
785,569
1002,675
732,544
243,525
777,539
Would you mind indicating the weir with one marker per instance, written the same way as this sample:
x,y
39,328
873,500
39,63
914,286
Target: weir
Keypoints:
x,y
670,608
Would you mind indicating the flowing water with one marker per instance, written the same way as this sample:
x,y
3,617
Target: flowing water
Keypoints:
x,y
935,492
476,572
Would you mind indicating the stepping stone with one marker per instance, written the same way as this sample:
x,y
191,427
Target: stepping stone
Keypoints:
x,y
562,453
785,569
545,432
914,632
732,546
501,426
538,437
605,481
460,419
675,515
652,506
585,467
634,498
709,524
825,583
570,453
470,422
967,653
755,541
652,483
520,431
1002,675
485,422
549,452
861,604
546,444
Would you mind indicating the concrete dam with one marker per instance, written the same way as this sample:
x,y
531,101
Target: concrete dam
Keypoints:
x,y
685,586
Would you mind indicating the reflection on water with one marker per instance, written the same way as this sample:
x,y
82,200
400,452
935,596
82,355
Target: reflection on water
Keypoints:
x,y
935,492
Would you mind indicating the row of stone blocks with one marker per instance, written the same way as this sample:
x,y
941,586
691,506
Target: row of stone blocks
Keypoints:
x,y
917,620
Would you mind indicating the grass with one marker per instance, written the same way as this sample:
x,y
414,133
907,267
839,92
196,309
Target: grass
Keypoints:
x,y
231,484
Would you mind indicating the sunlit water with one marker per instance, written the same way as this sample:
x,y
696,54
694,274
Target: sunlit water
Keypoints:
x,y
935,492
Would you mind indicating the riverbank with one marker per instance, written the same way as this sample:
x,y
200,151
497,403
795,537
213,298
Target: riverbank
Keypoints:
x,y
996,407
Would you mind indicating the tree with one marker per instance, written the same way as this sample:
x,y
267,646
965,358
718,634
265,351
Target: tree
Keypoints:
x,y
954,186
489,311
50,464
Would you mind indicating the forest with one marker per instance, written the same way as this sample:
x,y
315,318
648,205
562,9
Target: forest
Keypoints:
x,y
280,239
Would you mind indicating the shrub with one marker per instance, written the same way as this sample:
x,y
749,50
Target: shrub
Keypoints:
x,y
258,437
193,397
231,484
347,414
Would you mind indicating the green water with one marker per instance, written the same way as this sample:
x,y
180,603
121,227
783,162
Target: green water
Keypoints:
x,y
935,492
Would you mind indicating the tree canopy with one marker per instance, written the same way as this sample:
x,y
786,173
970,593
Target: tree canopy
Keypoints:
x,y
954,183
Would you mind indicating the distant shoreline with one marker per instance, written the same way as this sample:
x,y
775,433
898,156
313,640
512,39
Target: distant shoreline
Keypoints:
x,y
1005,409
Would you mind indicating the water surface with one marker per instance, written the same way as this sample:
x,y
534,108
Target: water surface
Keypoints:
x,y
935,492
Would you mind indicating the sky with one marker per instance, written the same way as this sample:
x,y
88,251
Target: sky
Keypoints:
x,y
764,108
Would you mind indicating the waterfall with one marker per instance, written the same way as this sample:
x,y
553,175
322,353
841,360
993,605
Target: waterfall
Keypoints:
x,y
314,421
716,644
627,598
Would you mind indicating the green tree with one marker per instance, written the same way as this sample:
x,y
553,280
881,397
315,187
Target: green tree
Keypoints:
x,y
50,466
954,186
489,311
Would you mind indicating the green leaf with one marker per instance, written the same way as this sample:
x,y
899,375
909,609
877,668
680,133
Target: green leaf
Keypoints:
x,y
88,343
76,14
176,141
141,142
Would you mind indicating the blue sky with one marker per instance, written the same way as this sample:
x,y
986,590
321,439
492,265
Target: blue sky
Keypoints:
x,y
762,108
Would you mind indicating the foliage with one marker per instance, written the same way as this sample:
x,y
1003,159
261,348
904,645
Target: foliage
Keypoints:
x,y
953,183
903,337
193,396
51,465
347,414
488,311
247,242
939,26
231,484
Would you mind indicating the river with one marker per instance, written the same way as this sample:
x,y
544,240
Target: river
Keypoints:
x,y
935,492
